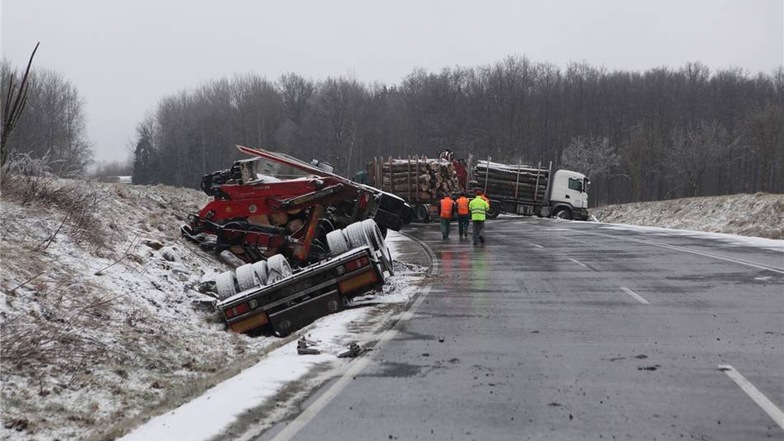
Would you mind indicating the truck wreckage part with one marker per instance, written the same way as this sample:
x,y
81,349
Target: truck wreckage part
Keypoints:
x,y
278,268
260,268
246,277
255,219
361,233
377,239
225,286
292,302
337,243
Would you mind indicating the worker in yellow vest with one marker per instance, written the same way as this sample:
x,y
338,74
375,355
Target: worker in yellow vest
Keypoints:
x,y
463,215
478,207
447,206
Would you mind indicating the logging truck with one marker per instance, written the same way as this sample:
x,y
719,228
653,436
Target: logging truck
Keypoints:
x,y
532,191
515,189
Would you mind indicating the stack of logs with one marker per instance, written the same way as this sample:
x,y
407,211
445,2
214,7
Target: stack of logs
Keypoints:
x,y
519,182
416,179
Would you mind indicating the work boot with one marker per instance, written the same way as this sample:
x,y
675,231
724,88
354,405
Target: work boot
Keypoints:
x,y
482,239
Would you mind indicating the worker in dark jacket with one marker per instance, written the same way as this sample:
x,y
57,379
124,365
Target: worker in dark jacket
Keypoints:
x,y
447,210
463,215
478,207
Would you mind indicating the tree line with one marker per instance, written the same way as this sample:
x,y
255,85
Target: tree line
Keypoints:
x,y
651,135
44,119
658,134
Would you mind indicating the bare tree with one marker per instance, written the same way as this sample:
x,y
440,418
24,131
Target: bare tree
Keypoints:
x,y
694,152
54,124
593,156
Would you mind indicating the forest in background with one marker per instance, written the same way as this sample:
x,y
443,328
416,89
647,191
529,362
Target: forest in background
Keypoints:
x,y
659,134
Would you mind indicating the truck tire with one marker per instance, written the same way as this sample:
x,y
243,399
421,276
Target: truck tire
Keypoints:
x,y
337,243
246,277
356,236
377,240
225,286
422,214
494,211
260,268
278,268
563,213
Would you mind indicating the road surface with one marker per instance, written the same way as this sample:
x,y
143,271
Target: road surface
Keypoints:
x,y
569,330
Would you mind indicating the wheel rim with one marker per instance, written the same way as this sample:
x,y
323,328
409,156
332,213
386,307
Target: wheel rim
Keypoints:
x,y
260,268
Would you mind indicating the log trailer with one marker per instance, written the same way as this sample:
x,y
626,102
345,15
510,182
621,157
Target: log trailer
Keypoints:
x,y
532,191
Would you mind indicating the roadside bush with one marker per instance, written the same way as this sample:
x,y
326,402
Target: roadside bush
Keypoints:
x,y
28,182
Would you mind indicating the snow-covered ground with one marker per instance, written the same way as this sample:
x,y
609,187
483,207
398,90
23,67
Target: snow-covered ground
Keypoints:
x,y
104,325
758,215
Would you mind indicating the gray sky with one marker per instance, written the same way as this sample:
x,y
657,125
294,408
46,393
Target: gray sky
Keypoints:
x,y
123,55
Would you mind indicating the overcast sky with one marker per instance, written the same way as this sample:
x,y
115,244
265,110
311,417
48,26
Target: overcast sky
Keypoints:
x,y
123,56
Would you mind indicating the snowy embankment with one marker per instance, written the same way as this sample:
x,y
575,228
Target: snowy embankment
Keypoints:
x,y
104,325
757,215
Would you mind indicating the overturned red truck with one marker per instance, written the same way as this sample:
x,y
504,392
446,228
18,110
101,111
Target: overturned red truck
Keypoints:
x,y
311,239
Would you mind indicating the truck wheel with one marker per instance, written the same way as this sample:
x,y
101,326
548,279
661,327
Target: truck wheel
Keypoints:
x,y
278,268
246,277
337,243
377,240
563,213
494,211
224,284
355,234
260,268
422,213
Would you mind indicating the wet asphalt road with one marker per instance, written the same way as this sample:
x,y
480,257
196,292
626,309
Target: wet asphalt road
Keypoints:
x,y
567,330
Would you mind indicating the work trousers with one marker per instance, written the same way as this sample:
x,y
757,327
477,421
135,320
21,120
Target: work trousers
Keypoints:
x,y
478,226
462,224
446,224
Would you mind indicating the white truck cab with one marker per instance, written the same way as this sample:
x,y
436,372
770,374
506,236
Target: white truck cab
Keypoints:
x,y
567,195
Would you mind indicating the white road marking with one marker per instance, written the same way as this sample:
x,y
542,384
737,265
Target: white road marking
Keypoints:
x,y
761,400
536,245
635,295
353,368
578,262
699,253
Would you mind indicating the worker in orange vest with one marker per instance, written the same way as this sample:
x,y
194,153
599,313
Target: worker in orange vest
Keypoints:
x,y
463,215
447,206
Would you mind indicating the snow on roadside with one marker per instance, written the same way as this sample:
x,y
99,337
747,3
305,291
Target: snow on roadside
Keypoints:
x,y
759,215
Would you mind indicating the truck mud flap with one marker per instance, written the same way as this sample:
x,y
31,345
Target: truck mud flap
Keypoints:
x,y
294,317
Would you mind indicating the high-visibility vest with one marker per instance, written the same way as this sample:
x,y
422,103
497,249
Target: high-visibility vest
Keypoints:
x,y
462,206
478,208
446,207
